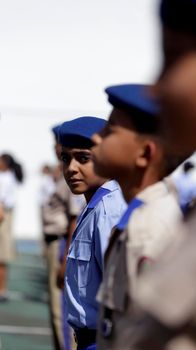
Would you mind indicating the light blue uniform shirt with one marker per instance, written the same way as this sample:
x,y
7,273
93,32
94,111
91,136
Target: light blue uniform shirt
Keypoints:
x,y
84,270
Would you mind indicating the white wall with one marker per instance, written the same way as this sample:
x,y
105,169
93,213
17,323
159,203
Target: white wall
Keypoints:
x,y
56,58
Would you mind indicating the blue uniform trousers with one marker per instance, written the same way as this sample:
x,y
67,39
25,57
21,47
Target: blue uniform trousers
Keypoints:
x,y
89,347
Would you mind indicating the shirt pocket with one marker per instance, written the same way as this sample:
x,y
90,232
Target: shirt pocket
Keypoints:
x,y
81,252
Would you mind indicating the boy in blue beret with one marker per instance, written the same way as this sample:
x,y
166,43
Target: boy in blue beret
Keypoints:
x,y
131,150
59,212
166,292
105,205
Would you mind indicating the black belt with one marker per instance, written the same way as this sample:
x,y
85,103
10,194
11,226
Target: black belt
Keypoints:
x,y
84,336
107,326
51,238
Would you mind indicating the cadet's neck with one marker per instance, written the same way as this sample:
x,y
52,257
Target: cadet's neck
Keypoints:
x,y
133,185
90,193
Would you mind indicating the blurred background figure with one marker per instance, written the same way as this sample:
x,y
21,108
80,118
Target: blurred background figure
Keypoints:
x,y
47,186
185,182
11,174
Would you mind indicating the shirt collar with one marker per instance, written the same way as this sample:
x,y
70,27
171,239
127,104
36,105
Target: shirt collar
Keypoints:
x,y
103,190
111,185
133,205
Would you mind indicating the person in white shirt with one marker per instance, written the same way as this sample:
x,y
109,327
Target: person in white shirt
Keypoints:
x,y
47,185
11,175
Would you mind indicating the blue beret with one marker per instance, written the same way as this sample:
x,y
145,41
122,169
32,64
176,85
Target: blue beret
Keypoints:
x,y
179,15
78,132
133,97
141,107
55,130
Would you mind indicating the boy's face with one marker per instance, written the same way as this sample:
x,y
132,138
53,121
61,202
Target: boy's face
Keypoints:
x,y
78,170
117,147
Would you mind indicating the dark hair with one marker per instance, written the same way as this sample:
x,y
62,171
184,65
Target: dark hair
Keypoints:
x,y
14,166
179,15
173,162
143,122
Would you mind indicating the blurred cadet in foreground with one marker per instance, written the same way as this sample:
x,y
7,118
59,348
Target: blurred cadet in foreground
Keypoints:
x,y
167,292
131,150
178,30
105,206
176,95
11,175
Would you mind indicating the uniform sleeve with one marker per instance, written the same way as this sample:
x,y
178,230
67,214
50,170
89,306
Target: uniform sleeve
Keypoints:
x,y
151,228
157,236
167,292
145,234
110,212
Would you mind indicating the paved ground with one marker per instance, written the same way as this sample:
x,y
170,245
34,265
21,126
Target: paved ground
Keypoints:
x,y
24,319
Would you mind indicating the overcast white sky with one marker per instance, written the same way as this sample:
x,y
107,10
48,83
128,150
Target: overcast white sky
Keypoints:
x,y
57,56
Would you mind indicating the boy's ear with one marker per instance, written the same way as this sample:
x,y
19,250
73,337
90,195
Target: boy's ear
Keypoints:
x,y
147,152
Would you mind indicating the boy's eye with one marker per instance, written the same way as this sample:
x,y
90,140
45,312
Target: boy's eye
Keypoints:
x,y
83,158
65,158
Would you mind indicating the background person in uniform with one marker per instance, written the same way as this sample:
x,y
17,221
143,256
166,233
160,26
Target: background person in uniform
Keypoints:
x,y
105,206
46,189
59,215
11,175
130,148
76,205
47,184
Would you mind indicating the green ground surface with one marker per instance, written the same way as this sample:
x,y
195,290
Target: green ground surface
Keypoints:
x,y
24,319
